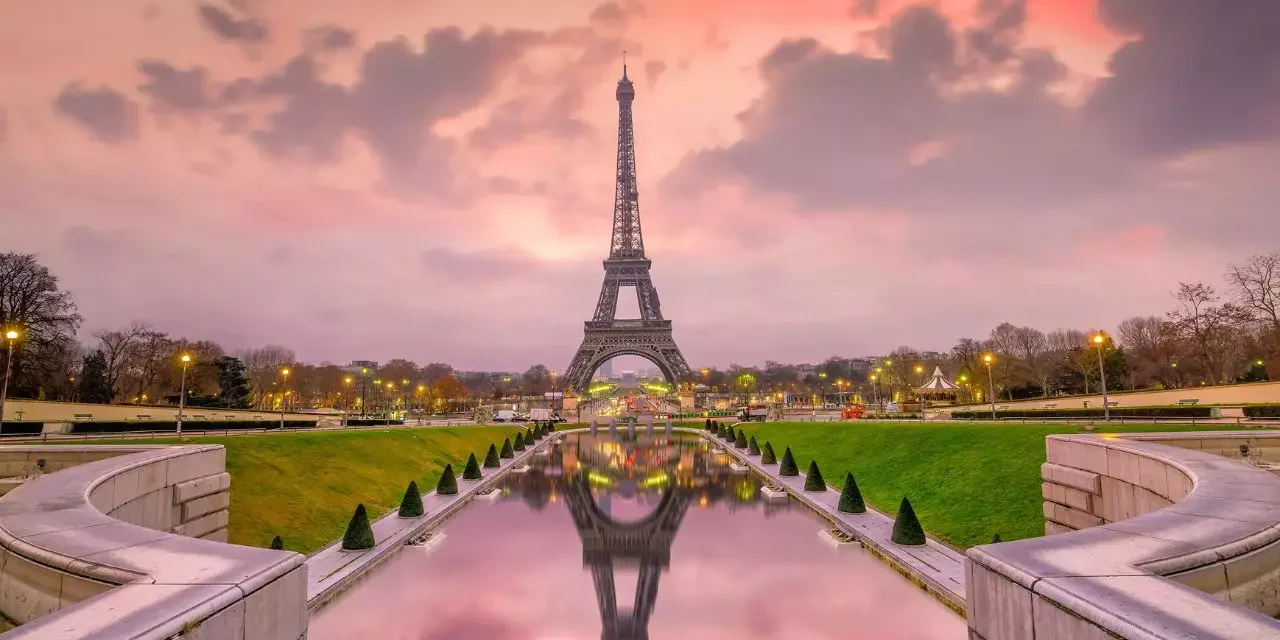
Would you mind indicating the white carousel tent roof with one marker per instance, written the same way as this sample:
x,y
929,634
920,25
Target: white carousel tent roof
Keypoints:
x,y
939,383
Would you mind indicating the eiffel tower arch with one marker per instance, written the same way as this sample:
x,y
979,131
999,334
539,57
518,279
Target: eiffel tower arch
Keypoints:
x,y
606,336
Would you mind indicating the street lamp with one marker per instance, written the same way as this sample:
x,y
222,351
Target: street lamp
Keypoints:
x,y
347,382
987,359
1101,341
391,394
182,391
284,380
11,336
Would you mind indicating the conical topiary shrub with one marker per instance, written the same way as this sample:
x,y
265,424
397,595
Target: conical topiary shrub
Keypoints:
x,y
277,543
766,454
708,424
753,447
506,449
411,503
359,534
906,528
491,459
851,497
996,539
472,470
551,427
741,441
813,480
788,466
448,484
519,442
729,435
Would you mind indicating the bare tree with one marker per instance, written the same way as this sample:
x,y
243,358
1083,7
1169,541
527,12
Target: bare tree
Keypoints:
x,y
31,302
116,346
1152,345
1210,326
1031,346
1257,287
264,365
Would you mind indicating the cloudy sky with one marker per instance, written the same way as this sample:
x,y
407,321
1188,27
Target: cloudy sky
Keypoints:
x,y
433,179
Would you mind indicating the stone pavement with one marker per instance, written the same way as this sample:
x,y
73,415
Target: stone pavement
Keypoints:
x,y
331,570
937,568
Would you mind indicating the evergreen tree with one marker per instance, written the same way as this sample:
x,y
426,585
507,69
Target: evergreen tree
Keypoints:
x,y
813,480
729,435
519,442
359,534
851,497
506,449
741,441
94,384
233,383
906,528
766,455
472,470
788,466
753,447
491,458
277,543
411,503
448,484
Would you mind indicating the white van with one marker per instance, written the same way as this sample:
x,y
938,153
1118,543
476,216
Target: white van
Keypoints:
x,y
505,415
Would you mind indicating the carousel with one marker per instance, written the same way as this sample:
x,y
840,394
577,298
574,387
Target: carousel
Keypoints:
x,y
938,389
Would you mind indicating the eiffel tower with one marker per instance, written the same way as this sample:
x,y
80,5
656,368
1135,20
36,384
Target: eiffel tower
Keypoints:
x,y
606,336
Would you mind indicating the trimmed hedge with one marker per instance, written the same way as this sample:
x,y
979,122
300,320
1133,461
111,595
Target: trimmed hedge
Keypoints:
x,y
788,465
507,452
813,480
766,454
22,428
753,447
411,503
1255,411
172,425
371,422
1116,412
359,534
448,484
491,459
906,528
519,446
730,435
472,470
851,496
277,543
740,441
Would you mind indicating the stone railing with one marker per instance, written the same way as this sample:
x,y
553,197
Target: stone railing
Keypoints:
x,y
109,546
1157,537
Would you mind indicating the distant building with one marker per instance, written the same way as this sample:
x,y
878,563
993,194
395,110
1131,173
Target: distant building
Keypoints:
x,y
606,369
357,365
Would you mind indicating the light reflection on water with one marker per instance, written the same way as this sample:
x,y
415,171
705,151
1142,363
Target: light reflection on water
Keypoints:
x,y
670,521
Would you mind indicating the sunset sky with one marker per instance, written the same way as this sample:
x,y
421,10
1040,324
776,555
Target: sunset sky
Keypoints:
x,y
433,179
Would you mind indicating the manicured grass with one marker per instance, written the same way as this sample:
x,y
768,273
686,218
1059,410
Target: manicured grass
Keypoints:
x,y
966,482
304,486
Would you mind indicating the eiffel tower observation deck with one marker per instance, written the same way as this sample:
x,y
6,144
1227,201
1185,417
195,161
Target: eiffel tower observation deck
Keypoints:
x,y
607,336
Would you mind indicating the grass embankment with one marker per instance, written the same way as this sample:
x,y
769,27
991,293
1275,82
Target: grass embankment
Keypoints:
x,y
304,487
966,482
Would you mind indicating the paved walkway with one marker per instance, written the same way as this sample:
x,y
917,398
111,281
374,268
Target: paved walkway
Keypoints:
x,y
331,570
934,566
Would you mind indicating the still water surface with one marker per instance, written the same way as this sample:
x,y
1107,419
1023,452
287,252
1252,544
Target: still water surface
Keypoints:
x,y
648,538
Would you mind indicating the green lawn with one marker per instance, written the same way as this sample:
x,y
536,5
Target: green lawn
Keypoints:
x,y
304,486
966,482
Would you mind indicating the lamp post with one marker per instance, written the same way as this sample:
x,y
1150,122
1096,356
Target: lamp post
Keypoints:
x,y
182,391
391,389
1101,341
346,385
10,336
920,391
991,385
284,381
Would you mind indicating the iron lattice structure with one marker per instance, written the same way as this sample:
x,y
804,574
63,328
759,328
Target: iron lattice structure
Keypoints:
x,y
606,336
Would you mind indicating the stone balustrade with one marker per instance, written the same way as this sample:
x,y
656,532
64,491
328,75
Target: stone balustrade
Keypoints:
x,y
127,541
1151,536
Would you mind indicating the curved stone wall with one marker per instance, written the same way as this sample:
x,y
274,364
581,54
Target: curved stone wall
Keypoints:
x,y
1156,538
104,548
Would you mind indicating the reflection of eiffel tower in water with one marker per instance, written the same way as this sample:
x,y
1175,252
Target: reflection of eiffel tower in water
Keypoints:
x,y
608,544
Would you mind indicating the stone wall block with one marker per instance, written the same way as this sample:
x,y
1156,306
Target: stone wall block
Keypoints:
x,y
997,607
184,491
278,609
1069,477
197,465
1077,455
193,509
1123,465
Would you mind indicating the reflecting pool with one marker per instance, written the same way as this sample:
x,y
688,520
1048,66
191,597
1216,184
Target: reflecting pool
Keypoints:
x,y
631,539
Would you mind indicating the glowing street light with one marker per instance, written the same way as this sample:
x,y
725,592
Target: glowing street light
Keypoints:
x,y
987,359
182,390
284,380
1101,341
10,336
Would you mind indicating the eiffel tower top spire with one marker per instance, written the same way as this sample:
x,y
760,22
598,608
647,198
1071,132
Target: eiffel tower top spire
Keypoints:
x,y
627,242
